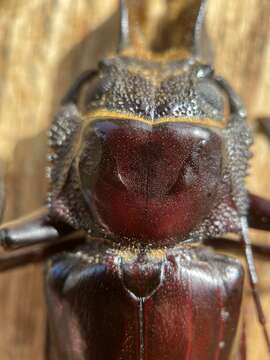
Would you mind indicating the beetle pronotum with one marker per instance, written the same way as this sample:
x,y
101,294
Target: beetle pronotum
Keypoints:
x,y
141,280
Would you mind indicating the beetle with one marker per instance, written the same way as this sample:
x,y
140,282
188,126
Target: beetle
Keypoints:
x,y
141,278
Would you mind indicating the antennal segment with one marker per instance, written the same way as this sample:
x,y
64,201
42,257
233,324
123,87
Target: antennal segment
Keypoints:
x,y
124,27
202,47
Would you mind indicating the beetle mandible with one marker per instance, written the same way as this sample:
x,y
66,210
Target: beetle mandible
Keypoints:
x,y
148,158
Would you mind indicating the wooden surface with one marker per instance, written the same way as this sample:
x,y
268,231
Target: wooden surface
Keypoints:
x,y
44,45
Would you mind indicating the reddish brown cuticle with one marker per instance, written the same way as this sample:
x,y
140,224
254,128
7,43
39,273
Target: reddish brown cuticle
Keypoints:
x,y
153,183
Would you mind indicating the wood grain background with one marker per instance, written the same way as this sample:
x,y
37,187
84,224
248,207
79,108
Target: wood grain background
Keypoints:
x,y
44,45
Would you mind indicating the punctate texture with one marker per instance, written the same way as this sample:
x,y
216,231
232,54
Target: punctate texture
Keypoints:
x,y
152,183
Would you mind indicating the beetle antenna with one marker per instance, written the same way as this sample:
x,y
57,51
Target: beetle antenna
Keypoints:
x,y
202,48
124,26
253,279
130,35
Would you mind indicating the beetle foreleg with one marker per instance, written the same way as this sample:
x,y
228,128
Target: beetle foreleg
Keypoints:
x,y
236,246
37,253
31,230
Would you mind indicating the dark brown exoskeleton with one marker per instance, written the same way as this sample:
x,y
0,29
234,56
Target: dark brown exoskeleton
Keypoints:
x,y
148,159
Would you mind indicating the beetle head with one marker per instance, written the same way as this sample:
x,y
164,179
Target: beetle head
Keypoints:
x,y
150,153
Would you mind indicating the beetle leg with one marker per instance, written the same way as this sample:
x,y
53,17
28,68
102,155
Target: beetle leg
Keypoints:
x,y
39,228
236,246
253,279
34,229
238,110
37,253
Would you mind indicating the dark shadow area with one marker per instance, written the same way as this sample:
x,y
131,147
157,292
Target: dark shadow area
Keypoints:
x,y
27,174
84,56
28,167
